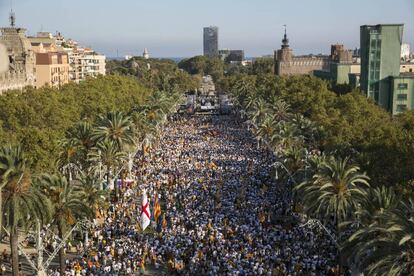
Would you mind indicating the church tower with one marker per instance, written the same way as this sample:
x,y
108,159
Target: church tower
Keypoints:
x,y
284,54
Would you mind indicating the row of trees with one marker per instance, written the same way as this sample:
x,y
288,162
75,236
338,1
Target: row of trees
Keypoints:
x,y
158,74
319,137
96,129
28,200
349,125
218,69
39,118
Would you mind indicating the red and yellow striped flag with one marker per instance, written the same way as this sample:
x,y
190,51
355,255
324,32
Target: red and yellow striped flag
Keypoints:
x,y
157,209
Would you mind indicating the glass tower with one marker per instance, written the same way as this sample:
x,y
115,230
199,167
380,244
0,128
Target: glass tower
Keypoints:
x,y
211,41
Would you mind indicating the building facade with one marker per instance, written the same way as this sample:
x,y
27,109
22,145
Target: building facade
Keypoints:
x,y
341,65
211,42
21,59
407,67
52,69
84,63
287,64
402,93
92,65
380,60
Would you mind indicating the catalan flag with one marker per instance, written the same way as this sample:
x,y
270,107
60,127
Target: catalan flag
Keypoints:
x,y
157,209
145,212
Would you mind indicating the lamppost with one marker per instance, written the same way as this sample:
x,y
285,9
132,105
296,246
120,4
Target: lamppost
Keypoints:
x,y
278,164
312,223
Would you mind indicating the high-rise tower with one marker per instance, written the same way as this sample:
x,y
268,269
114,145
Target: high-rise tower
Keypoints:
x,y
380,59
211,41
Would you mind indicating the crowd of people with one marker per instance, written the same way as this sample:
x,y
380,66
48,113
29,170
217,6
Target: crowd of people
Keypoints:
x,y
222,212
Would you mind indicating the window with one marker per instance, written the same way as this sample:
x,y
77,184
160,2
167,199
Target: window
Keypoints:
x,y
402,86
402,97
401,107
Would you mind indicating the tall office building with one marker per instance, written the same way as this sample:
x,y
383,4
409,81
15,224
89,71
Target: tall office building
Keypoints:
x,y
380,61
211,41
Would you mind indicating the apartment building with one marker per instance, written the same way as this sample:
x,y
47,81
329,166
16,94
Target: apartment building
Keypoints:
x,y
84,63
52,68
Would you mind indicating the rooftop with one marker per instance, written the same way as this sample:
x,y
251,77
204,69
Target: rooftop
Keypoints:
x,y
383,25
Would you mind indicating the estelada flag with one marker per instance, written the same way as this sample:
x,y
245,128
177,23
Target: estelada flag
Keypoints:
x,y
145,211
157,209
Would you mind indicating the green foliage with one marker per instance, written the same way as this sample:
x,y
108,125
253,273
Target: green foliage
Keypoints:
x,y
94,197
302,121
334,189
351,124
38,118
158,74
115,127
385,245
201,65
263,66
81,128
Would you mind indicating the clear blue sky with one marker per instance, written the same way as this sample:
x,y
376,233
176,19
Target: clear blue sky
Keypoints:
x,y
173,28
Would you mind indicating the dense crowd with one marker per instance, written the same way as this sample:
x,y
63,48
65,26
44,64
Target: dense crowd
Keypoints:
x,y
222,212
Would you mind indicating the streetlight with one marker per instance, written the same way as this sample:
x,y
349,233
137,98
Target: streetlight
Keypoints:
x,y
278,164
312,223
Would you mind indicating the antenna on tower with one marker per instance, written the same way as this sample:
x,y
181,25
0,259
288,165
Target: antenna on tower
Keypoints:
x,y
12,16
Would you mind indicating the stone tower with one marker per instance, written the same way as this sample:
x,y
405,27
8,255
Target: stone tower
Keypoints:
x,y
284,54
21,58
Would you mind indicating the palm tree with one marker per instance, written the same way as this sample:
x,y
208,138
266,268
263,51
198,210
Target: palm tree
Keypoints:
x,y
82,136
107,154
286,136
334,189
265,130
12,165
244,90
68,204
23,203
94,196
259,111
376,203
279,108
115,127
141,126
391,249
372,214
68,157
74,149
